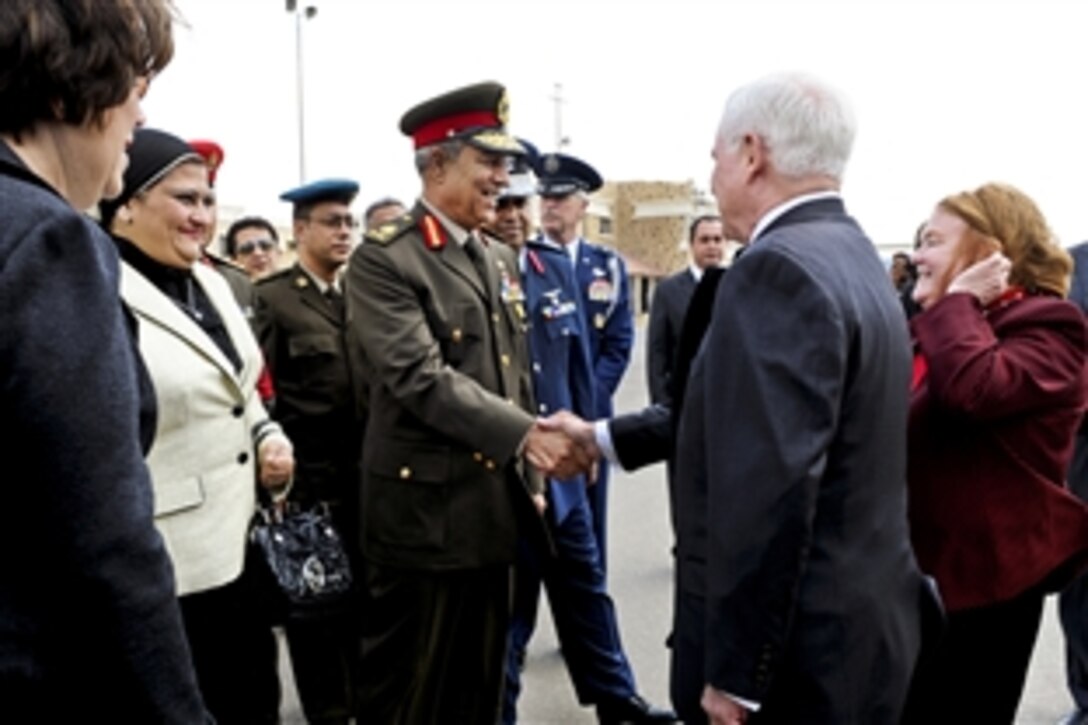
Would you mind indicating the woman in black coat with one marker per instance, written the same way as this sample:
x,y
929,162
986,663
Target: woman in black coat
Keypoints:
x,y
89,624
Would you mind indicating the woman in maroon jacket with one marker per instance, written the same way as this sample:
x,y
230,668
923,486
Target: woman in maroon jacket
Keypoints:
x,y
998,391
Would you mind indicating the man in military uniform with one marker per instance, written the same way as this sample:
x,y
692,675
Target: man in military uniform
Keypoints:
x,y
601,278
300,326
443,497
584,614
381,211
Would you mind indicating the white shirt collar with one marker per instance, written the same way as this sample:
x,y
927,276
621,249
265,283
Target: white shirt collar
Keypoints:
x,y
571,249
322,285
775,212
696,272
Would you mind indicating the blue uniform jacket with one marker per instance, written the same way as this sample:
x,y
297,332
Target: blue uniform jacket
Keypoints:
x,y
601,277
558,346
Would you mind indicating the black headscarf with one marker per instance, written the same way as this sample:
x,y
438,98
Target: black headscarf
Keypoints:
x,y
152,155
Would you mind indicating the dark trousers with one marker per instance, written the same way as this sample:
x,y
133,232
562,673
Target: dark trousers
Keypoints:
x,y
686,672
977,672
234,653
585,617
433,646
598,506
324,643
1073,602
323,650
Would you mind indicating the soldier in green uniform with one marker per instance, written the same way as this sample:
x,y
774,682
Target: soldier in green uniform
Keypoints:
x,y
300,325
443,492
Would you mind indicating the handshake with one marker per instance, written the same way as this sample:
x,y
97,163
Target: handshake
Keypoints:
x,y
562,446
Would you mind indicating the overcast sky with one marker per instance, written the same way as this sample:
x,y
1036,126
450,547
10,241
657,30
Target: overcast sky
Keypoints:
x,y
948,94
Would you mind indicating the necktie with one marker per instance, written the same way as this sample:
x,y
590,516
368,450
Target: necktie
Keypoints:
x,y
476,253
336,302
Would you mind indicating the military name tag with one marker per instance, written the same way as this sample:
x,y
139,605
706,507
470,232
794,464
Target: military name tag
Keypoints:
x,y
600,290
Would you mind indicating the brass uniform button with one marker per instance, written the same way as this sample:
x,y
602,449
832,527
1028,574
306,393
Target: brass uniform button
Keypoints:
x,y
456,334
405,473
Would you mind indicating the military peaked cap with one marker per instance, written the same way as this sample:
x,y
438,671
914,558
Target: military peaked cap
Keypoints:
x,y
476,114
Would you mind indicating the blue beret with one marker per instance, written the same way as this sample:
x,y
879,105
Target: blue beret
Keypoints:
x,y
561,175
342,190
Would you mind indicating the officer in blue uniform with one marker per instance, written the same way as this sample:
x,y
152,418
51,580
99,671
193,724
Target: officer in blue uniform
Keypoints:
x,y
603,294
563,379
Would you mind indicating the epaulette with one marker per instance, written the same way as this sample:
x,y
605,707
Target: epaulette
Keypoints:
x,y
386,233
274,276
536,252
218,261
490,237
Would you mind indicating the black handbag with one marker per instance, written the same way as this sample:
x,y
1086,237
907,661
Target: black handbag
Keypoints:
x,y
305,557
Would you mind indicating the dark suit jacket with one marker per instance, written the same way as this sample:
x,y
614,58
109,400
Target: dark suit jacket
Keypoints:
x,y
439,352
89,624
667,310
991,435
791,479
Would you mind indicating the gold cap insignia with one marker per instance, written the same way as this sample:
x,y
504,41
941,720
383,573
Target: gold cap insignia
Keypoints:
x,y
503,109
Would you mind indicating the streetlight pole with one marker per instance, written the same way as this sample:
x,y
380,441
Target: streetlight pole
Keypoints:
x,y
560,139
309,11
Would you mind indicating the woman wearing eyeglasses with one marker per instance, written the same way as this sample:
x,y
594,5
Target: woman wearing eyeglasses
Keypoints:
x,y
253,243
998,391
213,439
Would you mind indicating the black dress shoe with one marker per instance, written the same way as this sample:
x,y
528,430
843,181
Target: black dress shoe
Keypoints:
x,y
632,710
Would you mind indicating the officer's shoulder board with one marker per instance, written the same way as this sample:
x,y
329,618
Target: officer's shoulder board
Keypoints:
x,y
218,261
273,277
391,230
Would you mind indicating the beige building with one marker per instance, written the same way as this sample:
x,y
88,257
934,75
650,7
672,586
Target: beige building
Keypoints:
x,y
647,222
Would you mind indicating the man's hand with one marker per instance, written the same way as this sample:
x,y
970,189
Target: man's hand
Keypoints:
x,y
722,709
580,431
554,453
986,279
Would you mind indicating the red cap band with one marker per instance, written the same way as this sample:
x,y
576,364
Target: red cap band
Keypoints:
x,y
442,128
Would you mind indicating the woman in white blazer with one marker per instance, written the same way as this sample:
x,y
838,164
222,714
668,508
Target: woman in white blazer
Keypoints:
x,y
213,439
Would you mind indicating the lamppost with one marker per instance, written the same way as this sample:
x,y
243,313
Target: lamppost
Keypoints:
x,y
308,12
558,100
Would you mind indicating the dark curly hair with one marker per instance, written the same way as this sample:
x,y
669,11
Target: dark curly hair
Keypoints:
x,y
70,61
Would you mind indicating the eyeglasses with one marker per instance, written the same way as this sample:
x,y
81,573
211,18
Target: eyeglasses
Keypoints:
x,y
511,202
265,245
335,221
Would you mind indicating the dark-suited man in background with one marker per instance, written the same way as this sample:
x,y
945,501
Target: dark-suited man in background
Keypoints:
x,y
706,242
442,486
300,325
1073,603
803,593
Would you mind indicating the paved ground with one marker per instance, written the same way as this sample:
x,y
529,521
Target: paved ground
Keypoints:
x,y
640,580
